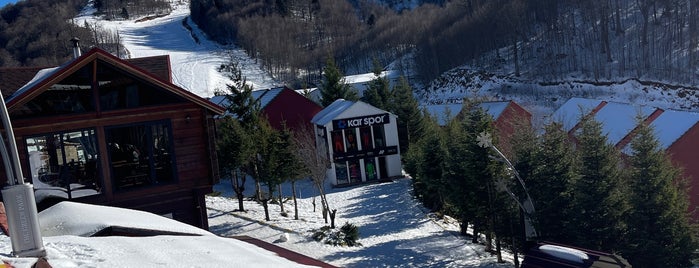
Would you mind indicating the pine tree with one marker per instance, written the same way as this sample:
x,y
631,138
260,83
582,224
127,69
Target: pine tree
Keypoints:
x,y
660,234
267,160
425,162
333,86
234,151
599,194
378,92
410,118
547,166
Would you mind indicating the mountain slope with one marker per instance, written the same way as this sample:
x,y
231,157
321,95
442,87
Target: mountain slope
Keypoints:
x,y
194,58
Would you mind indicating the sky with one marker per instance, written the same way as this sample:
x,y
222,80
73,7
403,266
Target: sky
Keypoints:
x,y
3,3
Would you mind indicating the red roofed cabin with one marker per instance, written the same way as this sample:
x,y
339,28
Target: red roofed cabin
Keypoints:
x,y
279,105
107,131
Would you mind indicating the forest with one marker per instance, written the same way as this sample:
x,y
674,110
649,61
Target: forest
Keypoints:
x,y
546,40
38,33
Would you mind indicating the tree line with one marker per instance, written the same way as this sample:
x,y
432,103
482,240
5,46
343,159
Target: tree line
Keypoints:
x,y
551,39
584,192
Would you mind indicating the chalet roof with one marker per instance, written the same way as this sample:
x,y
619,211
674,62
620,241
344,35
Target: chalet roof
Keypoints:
x,y
618,119
445,112
263,97
570,113
333,110
340,107
671,125
13,78
45,78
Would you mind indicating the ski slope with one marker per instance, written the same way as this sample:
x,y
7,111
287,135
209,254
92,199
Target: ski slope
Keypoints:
x,y
194,64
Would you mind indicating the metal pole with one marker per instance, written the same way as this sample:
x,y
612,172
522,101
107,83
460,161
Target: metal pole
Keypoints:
x,y
20,205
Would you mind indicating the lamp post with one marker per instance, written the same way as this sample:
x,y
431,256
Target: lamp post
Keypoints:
x,y
20,205
484,140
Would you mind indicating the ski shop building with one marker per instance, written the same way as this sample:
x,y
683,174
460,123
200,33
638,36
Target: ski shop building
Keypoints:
x,y
361,140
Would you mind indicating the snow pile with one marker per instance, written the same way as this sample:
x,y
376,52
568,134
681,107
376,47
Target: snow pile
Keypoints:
x,y
66,227
394,229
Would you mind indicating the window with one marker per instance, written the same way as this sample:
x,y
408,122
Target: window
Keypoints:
x,y
140,155
365,136
351,139
341,172
379,136
64,165
338,143
370,169
72,95
355,173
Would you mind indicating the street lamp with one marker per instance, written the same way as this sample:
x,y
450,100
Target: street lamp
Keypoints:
x,y
485,140
20,205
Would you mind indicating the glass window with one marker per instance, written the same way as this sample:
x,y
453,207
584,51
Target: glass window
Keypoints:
x,y
338,143
365,136
140,155
351,139
370,169
72,95
379,137
64,165
120,90
355,172
341,172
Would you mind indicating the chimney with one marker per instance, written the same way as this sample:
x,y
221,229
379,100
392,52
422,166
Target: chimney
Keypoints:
x,y
76,47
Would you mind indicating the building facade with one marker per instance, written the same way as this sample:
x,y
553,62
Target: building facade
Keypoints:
x,y
107,131
361,140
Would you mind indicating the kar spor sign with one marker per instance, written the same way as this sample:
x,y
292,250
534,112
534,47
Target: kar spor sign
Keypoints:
x,y
363,121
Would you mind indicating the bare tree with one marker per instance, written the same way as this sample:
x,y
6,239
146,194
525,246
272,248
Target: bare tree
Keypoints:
x,y
316,160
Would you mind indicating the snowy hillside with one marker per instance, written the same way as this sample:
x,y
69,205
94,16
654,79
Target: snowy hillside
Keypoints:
x,y
194,58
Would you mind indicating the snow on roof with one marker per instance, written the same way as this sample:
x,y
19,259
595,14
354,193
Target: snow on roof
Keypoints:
x,y
70,218
571,111
494,108
618,119
38,78
444,112
671,125
566,253
268,96
365,78
331,112
65,226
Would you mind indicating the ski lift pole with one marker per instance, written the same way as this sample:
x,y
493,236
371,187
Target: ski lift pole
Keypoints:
x,y
18,196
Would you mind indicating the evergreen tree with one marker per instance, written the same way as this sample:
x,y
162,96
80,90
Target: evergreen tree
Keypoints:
x,y
235,150
333,86
660,234
267,160
599,194
410,118
425,162
378,93
550,182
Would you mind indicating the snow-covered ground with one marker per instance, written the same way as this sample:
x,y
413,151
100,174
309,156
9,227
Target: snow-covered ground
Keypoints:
x,y
395,230
194,65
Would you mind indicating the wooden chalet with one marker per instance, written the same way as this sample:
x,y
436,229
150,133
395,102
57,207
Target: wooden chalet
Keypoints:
x,y
107,131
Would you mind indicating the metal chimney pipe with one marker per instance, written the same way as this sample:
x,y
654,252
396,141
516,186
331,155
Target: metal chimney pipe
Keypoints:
x,y
76,47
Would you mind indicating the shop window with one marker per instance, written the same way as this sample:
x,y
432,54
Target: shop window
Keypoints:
x,y
351,141
366,139
65,164
379,136
355,174
141,155
370,169
341,173
338,142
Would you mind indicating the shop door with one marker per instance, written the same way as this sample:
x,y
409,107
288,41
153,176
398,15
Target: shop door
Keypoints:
x,y
383,172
